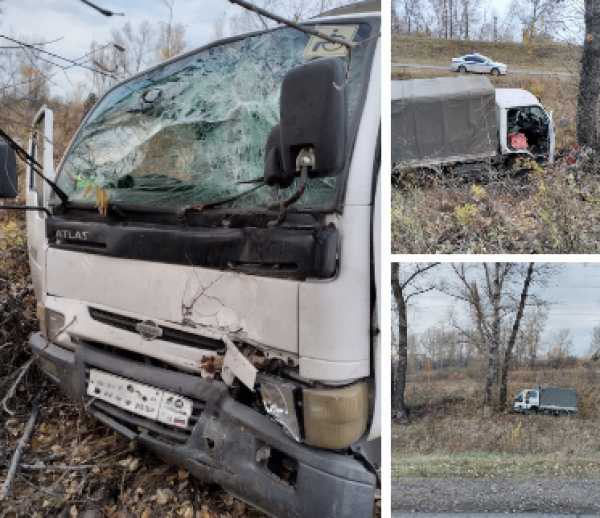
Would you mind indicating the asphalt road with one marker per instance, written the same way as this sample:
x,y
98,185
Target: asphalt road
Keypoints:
x,y
490,515
554,496
511,70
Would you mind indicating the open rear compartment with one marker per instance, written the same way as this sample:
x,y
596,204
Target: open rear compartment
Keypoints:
x,y
528,129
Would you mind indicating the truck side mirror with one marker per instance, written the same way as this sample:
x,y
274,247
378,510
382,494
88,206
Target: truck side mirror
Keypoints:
x,y
9,187
313,115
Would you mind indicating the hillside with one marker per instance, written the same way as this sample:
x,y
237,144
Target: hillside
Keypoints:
x,y
538,56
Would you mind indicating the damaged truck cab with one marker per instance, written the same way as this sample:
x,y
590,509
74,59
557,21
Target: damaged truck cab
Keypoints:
x,y
525,127
210,286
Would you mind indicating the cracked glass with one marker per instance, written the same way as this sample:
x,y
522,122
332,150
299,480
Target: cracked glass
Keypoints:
x,y
193,132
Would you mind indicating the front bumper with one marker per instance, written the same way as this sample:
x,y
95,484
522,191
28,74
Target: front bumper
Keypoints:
x,y
228,443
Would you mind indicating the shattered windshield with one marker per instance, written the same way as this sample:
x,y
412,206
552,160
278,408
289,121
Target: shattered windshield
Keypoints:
x,y
193,132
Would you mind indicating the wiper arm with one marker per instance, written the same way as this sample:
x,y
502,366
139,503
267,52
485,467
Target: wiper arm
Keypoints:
x,y
304,162
211,205
35,166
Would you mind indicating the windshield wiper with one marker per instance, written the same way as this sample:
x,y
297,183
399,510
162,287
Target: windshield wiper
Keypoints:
x,y
211,205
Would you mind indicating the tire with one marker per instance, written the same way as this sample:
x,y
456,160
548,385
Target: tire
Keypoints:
x,y
495,72
462,69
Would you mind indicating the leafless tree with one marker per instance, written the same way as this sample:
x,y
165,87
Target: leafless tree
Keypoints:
x,y
137,44
530,340
595,343
560,346
171,39
488,291
405,286
539,18
513,335
588,101
219,28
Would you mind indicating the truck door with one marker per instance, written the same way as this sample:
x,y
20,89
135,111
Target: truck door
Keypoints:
x,y
531,398
38,193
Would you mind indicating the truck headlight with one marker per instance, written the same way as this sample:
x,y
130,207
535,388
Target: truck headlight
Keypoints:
x,y
332,418
335,418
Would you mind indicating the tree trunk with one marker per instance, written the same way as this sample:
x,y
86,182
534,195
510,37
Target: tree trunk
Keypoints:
x,y
513,337
399,411
494,346
588,101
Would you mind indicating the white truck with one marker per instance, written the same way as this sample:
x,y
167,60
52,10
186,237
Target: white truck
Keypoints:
x,y
547,400
207,266
464,123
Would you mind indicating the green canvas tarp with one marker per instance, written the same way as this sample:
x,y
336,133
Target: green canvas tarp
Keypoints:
x,y
443,120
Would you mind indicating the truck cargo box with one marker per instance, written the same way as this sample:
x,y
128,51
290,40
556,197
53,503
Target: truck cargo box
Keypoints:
x,y
559,398
443,120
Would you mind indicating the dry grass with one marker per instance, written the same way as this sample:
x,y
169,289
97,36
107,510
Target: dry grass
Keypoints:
x,y
448,436
553,210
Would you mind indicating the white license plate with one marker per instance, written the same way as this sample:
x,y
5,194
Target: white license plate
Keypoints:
x,y
140,399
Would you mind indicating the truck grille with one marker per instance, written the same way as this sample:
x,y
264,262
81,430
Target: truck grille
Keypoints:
x,y
169,334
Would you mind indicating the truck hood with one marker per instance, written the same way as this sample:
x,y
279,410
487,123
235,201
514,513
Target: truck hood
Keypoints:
x,y
259,310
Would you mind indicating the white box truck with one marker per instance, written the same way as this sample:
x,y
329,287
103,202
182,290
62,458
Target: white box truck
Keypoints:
x,y
207,277
546,400
461,123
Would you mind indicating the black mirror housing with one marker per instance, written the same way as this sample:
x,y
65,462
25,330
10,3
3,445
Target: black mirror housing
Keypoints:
x,y
313,114
274,174
8,171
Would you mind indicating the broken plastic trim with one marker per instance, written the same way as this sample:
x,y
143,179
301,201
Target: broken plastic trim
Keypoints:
x,y
280,400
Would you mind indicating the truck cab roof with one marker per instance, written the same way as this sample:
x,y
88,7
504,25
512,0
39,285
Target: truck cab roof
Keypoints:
x,y
513,97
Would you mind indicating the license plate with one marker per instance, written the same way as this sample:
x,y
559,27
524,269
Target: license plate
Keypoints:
x,y
144,400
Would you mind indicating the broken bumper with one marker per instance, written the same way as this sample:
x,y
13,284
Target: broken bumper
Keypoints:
x,y
228,443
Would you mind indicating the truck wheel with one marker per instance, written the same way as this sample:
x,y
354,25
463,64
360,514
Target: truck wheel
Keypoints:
x,y
495,72
462,69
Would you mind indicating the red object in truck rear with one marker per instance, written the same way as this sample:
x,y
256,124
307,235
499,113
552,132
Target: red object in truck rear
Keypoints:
x,y
517,140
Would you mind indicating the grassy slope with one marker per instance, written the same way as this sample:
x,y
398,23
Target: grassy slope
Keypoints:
x,y
448,436
546,56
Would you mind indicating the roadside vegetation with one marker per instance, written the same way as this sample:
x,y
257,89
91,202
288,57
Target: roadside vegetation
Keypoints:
x,y
549,210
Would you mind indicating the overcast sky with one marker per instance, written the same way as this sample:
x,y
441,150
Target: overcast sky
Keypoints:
x,y
78,25
573,294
